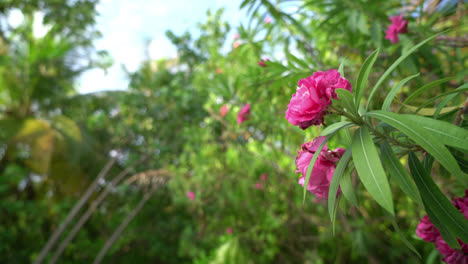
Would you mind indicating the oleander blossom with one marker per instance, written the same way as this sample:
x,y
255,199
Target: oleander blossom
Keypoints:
x,y
223,110
262,63
244,114
398,26
191,195
309,104
429,233
325,165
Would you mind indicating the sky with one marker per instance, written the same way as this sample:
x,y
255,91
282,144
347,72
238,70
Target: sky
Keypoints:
x,y
126,25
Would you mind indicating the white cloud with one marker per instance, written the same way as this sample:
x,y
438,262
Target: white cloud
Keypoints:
x,y
161,48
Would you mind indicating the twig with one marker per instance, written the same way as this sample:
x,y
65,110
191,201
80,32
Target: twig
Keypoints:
x,y
123,225
84,198
91,209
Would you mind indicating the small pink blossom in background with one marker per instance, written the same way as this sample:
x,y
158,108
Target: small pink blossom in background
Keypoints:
x,y
398,26
236,36
236,44
309,104
325,165
258,185
262,62
429,233
267,20
229,230
263,177
244,114
219,70
223,110
191,195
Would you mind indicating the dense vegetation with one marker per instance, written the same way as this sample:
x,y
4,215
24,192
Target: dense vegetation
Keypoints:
x,y
196,155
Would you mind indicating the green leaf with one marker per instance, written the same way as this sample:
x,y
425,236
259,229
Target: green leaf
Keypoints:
x,y
346,100
393,92
446,100
450,239
419,91
394,65
334,184
312,164
347,188
398,172
340,69
407,243
335,127
437,202
423,138
445,132
453,93
364,75
370,170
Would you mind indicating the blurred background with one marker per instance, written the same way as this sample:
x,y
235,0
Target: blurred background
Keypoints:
x,y
119,140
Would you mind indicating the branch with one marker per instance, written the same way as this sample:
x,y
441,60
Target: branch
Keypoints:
x,y
124,224
92,208
84,198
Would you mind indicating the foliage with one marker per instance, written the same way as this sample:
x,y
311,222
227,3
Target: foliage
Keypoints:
x,y
406,104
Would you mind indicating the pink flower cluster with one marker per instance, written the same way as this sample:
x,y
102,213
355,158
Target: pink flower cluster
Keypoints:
x,y
429,233
191,195
322,173
259,184
398,26
309,104
244,114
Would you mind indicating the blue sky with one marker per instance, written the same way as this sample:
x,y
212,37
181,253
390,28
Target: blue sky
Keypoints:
x,y
127,24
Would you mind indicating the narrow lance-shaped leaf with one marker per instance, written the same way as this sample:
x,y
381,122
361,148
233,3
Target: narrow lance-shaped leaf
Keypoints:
x,y
445,132
446,100
393,92
347,188
341,68
364,75
423,138
398,172
394,65
423,89
346,100
334,184
437,202
450,239
407,243
335,127
452,94
370,170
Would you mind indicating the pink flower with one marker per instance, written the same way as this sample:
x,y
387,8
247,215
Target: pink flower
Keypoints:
x,y
267,20
398,26
244,114
258,185
262,62
229,230
322,173
236,44
451,256
309,104
263,177
236,36
426,230
223,110
191,195
219,70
